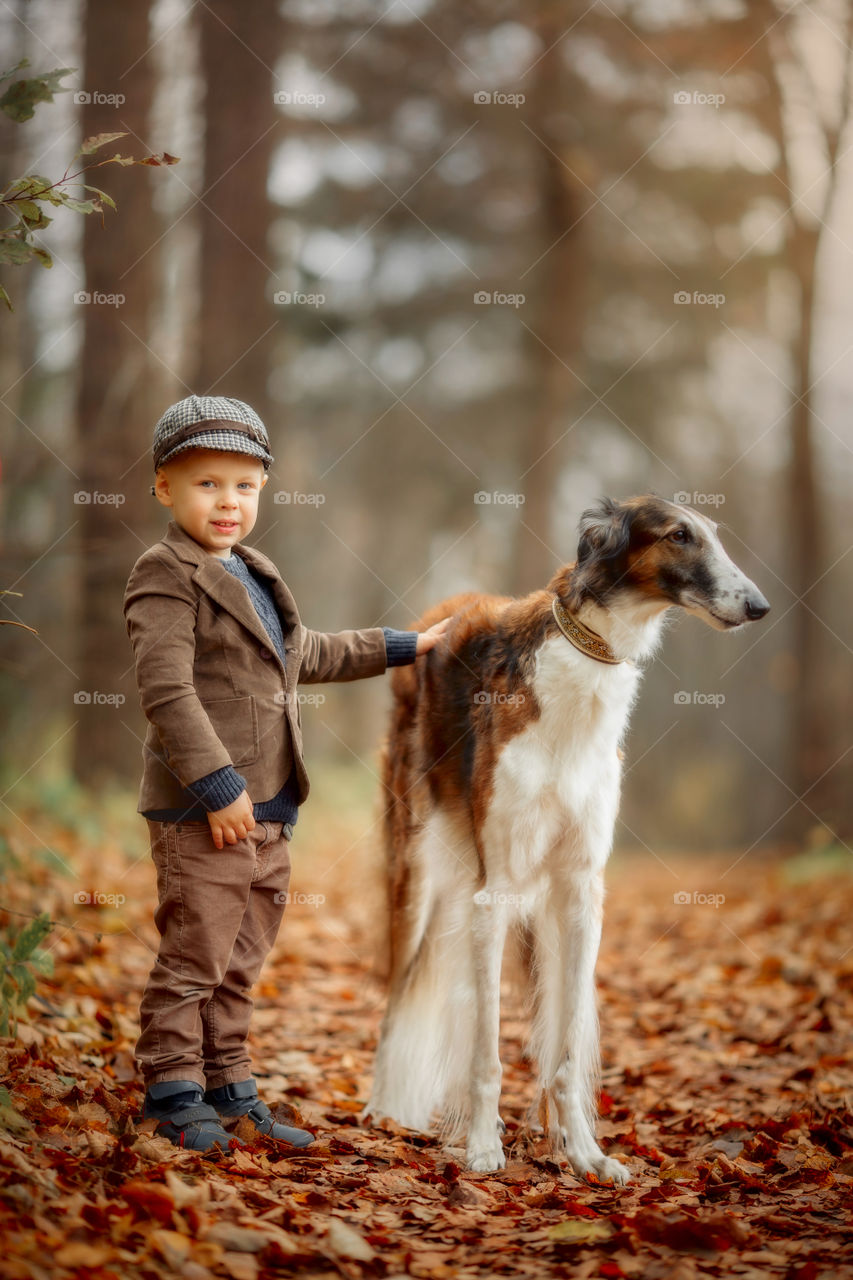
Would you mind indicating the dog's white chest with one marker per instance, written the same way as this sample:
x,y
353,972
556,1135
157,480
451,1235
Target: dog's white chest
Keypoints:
x,y
558,779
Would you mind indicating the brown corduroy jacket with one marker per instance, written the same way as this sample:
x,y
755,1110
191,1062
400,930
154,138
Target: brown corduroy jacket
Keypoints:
x,y
211,685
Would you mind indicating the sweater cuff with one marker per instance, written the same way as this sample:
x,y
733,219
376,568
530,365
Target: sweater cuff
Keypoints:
x,y
218,789
400,647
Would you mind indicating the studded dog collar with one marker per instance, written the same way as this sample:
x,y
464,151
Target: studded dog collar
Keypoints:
x,y
581,636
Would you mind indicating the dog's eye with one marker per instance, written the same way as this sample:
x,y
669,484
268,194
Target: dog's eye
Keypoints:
x,y
679,535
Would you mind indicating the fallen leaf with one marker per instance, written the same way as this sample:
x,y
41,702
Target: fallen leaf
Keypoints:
x,y
345,1241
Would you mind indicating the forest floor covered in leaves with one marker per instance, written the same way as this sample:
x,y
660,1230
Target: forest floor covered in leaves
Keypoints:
x,y
727,1088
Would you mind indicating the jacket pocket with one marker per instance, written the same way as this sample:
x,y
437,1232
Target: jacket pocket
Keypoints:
x,y
235,722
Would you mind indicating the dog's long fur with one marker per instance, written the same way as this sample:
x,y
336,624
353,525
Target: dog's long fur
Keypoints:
x,y
502,776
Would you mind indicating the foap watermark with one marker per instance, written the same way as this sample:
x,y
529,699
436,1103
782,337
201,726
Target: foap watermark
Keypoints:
x,y
94,498
300,899
83,98
694,499
483,498
483,696
310,699
490,298
498,98
293,497
696,699
683,298
293,298
301,699
498,898
697,899
696,98
296,98
85,298
94,698
95,898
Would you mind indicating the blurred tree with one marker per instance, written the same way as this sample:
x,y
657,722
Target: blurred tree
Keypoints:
x,y
795,106
425,195
557,285
239,44
118,388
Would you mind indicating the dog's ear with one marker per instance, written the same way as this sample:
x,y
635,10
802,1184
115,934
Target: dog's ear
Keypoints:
x,y
605,532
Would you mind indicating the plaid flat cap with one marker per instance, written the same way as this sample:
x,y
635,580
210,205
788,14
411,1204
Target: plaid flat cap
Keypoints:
x,y
210,422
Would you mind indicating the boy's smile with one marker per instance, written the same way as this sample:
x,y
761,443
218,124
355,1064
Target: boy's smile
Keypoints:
x,y
213,496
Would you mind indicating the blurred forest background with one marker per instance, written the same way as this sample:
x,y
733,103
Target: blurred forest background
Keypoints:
x,y
475,265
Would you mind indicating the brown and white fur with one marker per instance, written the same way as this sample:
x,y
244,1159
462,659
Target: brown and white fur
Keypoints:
x,y
502,778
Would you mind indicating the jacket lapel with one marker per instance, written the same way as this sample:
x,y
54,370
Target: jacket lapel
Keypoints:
x,y
291,623
219,584
231,595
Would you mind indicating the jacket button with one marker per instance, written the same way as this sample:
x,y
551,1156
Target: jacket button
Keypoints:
x,y
265,653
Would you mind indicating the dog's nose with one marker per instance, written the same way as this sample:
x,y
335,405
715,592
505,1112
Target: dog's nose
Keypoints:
x,y
756,608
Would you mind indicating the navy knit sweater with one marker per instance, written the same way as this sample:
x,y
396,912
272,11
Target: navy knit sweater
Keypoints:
x,y
222,787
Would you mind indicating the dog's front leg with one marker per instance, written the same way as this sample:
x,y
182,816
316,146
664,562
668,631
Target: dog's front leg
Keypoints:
x,y
573,1086
485,1149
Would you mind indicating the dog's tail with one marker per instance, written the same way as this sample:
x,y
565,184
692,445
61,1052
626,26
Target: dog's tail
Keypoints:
x,y
426,1042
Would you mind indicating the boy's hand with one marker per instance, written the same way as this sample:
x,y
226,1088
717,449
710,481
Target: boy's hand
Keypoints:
x,y
426,639
232,823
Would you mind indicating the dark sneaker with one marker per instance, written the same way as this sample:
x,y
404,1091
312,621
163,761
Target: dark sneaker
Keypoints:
x,y
241,1099
184,1118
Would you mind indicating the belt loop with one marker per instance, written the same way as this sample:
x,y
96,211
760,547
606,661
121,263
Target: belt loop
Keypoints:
x,y
287,831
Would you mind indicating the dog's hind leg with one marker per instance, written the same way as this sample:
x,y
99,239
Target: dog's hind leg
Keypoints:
x,y
566,1031
488,933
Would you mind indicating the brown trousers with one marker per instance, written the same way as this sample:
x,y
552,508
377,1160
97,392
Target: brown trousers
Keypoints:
x,y
218,915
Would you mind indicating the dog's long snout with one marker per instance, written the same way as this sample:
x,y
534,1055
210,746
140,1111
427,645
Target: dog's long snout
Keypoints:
x,y
755,607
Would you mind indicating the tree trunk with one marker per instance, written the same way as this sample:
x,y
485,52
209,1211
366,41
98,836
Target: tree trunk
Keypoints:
x,y
807,551
118,390
807,755
238,44
555,316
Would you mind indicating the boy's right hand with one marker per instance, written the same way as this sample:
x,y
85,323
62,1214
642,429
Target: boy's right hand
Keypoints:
x,y
232,823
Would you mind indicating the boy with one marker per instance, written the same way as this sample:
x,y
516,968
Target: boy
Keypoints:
x,y
219,649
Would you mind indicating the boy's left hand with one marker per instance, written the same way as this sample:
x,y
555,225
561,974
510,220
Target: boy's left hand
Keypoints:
x,y
427,639
232,823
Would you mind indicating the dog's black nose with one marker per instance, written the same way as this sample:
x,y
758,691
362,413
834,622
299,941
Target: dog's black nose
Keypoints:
x,y
756,608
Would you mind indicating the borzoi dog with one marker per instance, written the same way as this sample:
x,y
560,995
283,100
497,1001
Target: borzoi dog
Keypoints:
x,y
502,776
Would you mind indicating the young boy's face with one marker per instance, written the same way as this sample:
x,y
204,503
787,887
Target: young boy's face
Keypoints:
x,y
213,496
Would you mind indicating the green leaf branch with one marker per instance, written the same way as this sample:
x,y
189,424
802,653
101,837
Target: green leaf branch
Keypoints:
x,y
26,198
22,958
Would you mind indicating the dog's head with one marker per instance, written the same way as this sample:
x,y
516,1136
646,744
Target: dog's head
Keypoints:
x,y
648,547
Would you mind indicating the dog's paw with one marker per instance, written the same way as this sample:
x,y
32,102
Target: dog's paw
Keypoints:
x,y
486,1158
606,1169
373,1114
587,1159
